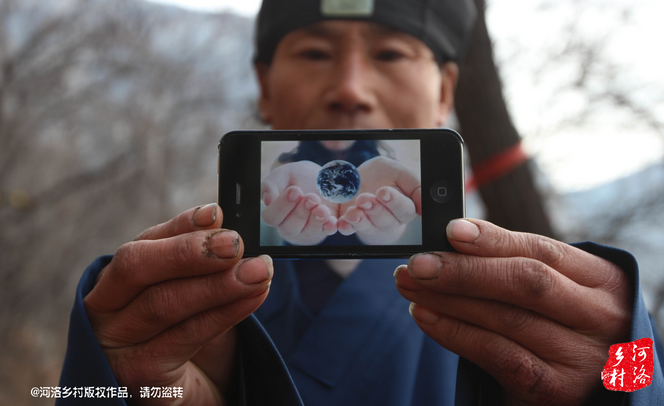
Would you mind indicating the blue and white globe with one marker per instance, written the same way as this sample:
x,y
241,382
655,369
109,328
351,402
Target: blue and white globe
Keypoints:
x,y
338,181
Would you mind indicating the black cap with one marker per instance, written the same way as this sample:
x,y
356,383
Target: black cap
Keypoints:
x,y
444,25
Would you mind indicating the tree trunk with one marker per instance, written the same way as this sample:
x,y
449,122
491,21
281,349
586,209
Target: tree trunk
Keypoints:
x,y
512,201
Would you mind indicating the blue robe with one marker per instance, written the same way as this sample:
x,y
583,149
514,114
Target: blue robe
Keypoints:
x,y
362,349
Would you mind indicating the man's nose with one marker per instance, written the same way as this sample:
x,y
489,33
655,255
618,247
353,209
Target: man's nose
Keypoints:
x,y
351,88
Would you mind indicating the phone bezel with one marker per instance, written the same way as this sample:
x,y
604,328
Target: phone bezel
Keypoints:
x,y
239,162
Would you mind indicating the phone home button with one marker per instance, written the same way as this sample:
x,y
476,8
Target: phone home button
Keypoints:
x,y
441,192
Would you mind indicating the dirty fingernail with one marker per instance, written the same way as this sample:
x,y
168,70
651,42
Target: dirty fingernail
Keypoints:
x,y
255,270
399,269
222,244
259,292
462,230
424,266
205,215
422,314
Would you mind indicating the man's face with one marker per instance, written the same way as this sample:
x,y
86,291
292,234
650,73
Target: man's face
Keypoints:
x,y
352,74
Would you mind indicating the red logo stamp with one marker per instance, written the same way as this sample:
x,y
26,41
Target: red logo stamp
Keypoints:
x,y
630,366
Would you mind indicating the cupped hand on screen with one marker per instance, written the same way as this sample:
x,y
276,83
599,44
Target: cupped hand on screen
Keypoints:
x,y
294,206
390,197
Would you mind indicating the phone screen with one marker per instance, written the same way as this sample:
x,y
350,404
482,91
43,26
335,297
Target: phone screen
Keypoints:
x,y
341,193
350,178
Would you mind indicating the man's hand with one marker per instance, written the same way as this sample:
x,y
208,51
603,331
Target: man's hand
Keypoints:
x,y
294,206
537,314
390,197
164,307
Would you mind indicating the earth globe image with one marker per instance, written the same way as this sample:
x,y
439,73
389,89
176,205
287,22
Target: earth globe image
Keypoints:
x,y
338,181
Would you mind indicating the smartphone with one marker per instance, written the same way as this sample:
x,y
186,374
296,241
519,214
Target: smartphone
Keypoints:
x,y
332,194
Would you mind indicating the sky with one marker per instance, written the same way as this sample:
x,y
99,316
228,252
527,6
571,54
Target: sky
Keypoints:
x,y
243,7
610,146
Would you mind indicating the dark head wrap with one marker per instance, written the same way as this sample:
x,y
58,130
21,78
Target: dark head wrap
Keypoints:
x,y
444,25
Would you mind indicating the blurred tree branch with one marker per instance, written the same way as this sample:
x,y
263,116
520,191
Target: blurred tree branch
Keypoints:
x,y
110,112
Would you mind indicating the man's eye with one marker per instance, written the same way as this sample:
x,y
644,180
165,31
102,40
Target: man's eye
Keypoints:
x,y
315,55
389,55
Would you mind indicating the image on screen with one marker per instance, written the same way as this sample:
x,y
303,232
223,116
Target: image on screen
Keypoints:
x,y
341,192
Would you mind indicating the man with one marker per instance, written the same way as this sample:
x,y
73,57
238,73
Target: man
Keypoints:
x,y
171,308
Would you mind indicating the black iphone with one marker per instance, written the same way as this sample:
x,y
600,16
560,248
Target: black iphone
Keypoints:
x,y
341,193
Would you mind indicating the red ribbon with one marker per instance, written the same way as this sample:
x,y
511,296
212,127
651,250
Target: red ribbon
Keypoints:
x,y
496,167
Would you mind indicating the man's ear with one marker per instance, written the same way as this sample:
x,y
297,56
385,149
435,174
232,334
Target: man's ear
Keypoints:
x,y
264,102
449,76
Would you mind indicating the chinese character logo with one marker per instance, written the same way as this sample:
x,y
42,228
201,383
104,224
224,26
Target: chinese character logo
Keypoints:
x,y
630,366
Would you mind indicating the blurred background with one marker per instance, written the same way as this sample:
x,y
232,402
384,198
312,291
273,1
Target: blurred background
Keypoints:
x,y
111,110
